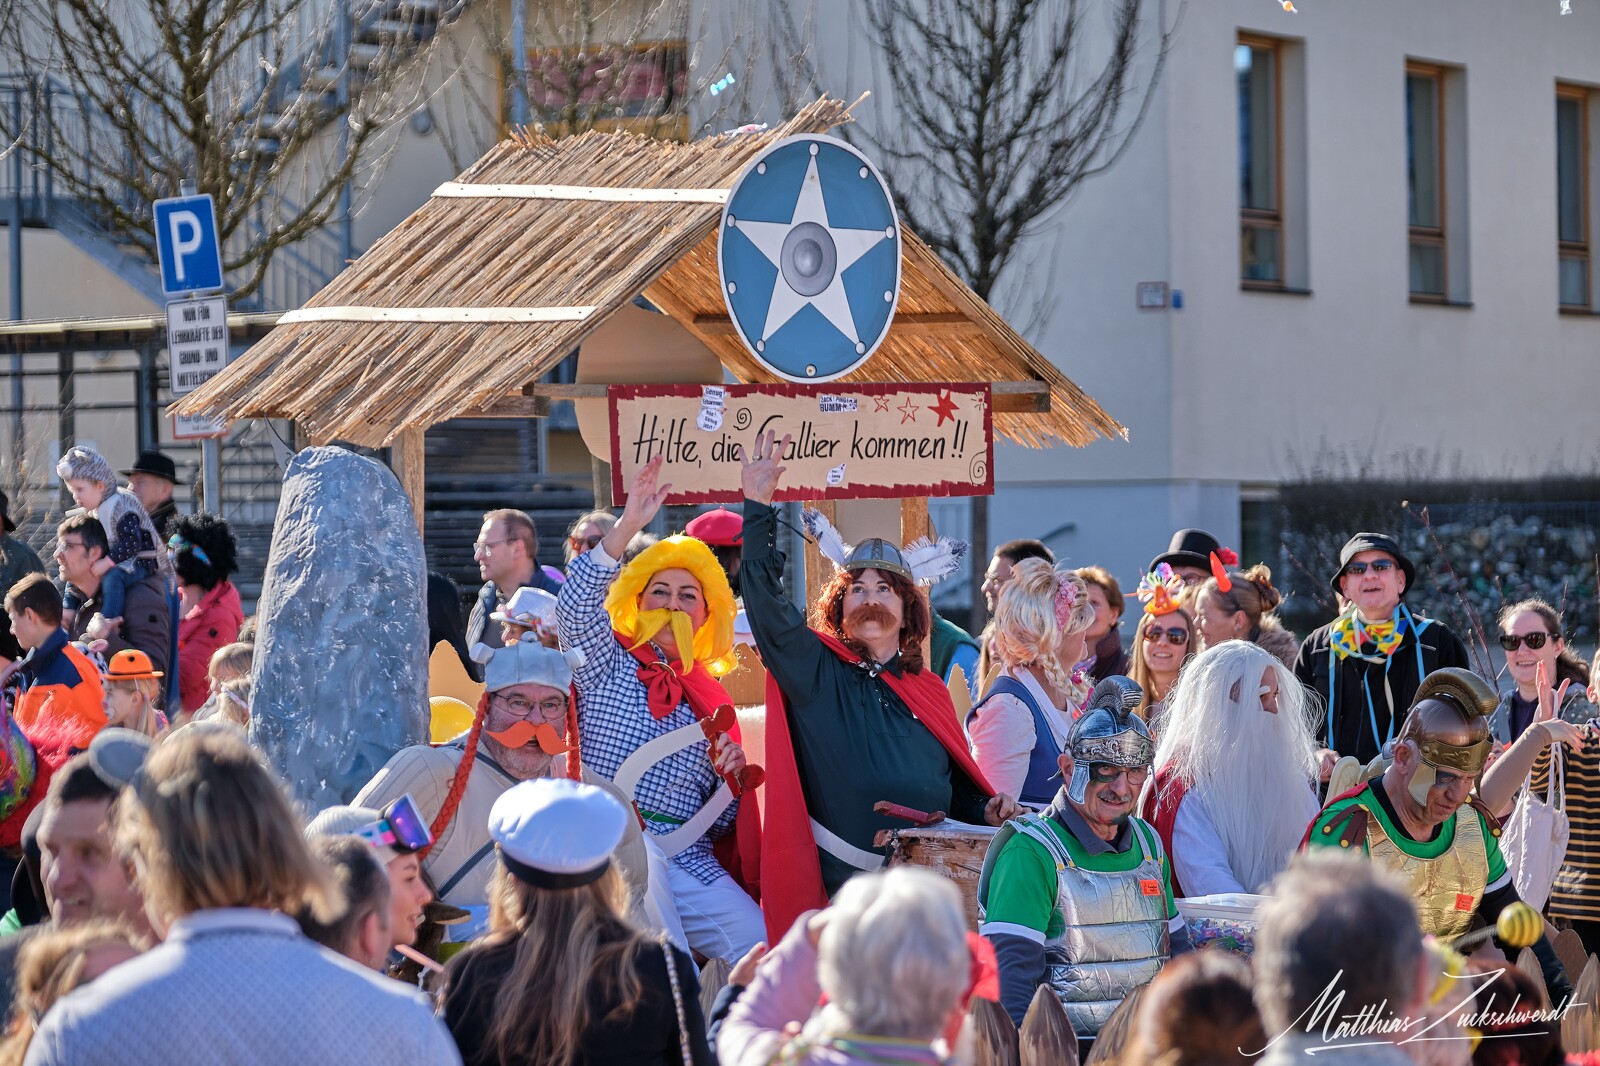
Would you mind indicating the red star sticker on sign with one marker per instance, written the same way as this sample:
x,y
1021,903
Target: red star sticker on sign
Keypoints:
x,y
945,409
882,402
908,411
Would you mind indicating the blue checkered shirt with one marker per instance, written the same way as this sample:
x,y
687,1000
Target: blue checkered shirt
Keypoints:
x,y
614,716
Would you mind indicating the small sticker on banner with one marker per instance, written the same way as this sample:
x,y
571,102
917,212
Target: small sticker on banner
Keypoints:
x,y
1465,902
836,475
833,405
713,396
710,419
1150,887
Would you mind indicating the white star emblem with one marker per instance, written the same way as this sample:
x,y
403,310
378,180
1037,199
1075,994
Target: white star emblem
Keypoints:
x,y
817,256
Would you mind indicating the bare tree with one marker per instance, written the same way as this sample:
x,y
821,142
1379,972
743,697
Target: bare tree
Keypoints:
x,y
1000,110
268,105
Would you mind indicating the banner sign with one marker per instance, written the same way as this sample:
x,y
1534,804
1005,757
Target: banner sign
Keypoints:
x,y
873,441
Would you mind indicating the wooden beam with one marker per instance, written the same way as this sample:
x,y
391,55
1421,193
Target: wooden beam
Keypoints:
x,y
904,325
818,567
1010,397
406,457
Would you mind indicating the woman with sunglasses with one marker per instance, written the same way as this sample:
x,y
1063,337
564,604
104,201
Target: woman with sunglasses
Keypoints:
x,y
589,529
1530,633
1165,641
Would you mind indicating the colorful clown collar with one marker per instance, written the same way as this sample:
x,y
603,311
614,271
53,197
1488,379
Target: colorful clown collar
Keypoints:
x,y
1350,634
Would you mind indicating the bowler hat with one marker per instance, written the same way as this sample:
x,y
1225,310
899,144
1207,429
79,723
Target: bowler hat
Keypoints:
x,y
1373,542
1189,547
154,463
5,513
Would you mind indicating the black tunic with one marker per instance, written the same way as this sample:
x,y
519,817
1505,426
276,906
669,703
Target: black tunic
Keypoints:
x,y
855,741
648,1036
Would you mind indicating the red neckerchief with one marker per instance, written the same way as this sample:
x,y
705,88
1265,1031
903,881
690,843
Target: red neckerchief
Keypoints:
x,y
666,685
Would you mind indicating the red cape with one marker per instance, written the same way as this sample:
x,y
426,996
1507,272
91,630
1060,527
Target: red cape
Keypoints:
x,y
739,852
791,876
1161,811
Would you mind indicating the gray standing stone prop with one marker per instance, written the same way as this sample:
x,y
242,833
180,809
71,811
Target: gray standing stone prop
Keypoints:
x,y
341,670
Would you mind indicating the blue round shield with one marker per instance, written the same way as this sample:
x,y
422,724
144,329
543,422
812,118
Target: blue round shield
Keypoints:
x,y
809,258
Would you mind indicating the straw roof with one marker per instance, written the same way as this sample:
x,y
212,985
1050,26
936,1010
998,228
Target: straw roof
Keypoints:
x,y
368,381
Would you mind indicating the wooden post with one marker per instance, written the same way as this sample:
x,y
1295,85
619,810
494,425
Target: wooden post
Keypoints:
x,y
818,567
408,463
914,520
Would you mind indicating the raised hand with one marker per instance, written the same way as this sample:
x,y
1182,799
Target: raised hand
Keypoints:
x,y
645,497
1550,700
761,471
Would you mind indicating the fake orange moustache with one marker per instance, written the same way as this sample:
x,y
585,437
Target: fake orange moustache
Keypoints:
x,y
521,734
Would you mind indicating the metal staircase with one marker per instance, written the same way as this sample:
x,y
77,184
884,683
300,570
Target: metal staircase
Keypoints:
x,y
379,33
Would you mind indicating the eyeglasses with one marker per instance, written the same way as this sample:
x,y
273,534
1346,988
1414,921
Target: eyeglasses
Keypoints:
x,y
551,709
1104,773
585,543
402,828
64,544
1378,566
483,547
1534,640
1175,635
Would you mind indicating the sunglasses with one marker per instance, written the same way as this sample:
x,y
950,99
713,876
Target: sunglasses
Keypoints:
x,y
584,542
1533,640
1175,635
402,828
1378,566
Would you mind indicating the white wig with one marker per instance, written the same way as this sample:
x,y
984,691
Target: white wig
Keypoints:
x,y
1254,772
893,957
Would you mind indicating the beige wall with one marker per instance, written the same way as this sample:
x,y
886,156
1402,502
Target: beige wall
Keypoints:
x,y
60,281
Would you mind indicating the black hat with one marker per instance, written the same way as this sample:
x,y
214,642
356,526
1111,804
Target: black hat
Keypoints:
x,y
5,513
154,463
1373,542
1189,547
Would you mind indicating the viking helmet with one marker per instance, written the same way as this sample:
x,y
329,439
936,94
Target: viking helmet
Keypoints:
x,y
1449,724
875,553
1108,732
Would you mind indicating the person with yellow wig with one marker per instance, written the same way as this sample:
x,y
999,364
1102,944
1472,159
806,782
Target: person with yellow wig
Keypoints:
x,y
657,635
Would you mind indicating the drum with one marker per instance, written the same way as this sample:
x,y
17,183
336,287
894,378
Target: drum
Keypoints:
x,y
953,850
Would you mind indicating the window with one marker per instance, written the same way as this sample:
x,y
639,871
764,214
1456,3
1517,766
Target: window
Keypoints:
x,y
1572,183
1257,66
1425,184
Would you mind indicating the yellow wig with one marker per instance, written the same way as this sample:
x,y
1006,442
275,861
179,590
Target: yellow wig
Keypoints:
x,y
713,643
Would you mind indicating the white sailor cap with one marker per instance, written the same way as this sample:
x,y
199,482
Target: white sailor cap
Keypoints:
x,y
557,833
527,662
527,607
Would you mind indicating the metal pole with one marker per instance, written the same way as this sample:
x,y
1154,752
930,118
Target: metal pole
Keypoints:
x,y
347,233
14,240
519,62
211,474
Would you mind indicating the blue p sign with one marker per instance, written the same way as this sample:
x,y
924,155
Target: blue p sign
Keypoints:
x,y
186,242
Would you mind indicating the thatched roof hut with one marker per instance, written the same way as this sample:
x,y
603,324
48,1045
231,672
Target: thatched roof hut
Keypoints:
x,y
463,307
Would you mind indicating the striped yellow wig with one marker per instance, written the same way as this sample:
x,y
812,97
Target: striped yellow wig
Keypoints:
x,y
713,643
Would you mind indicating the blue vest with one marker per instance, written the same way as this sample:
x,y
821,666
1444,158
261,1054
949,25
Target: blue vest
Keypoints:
x,y
1043,769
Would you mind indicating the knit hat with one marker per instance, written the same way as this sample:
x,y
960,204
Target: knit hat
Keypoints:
x,y
528,607
526,662
86,463
345,821
554,833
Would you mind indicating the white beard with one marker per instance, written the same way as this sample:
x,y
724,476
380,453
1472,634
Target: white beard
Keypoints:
x,y
1253,772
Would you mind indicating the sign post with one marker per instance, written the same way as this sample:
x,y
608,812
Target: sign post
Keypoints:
x,y
197,328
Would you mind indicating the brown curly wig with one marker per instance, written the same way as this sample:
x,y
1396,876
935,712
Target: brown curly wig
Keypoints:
x,y
827,615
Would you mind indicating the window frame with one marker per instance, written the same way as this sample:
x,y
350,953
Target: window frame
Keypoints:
x,y
1583,249
1256,217
1436,236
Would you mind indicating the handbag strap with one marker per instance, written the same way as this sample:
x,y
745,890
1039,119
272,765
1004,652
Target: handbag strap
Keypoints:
x,y
677,1001
1556,794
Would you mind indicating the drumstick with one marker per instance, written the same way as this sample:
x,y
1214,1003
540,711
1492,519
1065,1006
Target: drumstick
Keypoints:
x,y
907,814
419,958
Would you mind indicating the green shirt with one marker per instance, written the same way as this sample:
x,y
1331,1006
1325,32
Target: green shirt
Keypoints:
x,y
1022,885
1444,836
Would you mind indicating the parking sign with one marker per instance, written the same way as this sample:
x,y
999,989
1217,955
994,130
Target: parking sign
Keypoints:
x,y
187,245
